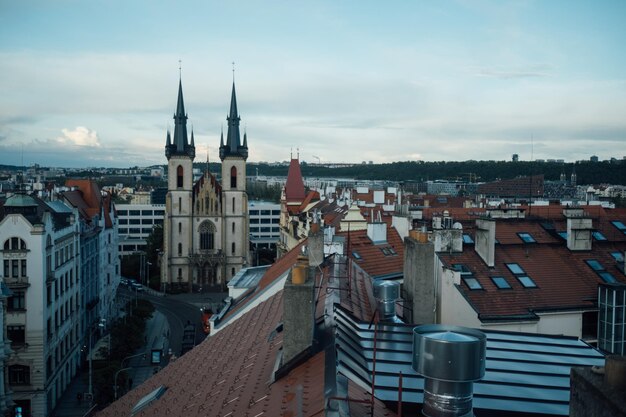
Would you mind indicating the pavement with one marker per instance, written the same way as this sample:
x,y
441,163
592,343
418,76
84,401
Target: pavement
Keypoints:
x,y
156,336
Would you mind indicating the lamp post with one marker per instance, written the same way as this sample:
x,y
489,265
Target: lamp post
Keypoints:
x,y
115,386
148,264
91,330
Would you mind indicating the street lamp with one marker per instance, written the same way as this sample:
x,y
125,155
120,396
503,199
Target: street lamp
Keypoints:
x,y
115,386
91,330
148,264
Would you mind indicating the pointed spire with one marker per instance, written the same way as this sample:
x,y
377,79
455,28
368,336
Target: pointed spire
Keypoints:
x,y
179,145
168,141
233,139
245,139
192,140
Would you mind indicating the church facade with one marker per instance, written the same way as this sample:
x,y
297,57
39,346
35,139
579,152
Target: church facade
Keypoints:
x,y
205,230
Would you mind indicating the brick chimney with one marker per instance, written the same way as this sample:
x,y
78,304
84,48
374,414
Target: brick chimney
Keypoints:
x,y
485,242
419,278
315,242
298,309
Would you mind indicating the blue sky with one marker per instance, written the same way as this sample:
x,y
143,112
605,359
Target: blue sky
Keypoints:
x,y
93,83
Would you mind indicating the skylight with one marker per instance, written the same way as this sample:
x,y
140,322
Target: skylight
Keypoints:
x,y
468,277
526,237
563,235
607,277
598,236
619,225
467,239
147,399
515,269
594,264
526,281
356,255
618,256
501,283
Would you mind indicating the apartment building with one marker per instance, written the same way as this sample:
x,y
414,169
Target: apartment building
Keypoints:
x,y
135,225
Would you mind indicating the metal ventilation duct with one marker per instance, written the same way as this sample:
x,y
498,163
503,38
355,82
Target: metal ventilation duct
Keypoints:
x,y
450,358
386,294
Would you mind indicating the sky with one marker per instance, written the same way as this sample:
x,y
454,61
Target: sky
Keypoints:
x,y
94,83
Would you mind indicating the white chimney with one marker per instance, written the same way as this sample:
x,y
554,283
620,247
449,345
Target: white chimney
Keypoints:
x,y
377,231
579,228
485,241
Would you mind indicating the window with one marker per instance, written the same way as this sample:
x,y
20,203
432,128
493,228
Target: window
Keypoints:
x,y
620,226
526,237
233,227
522,277
356,255
19,375
146,212
207,235
232,248
563,235
599,269
17,301
254,212
232,272
467,276
233,177
233,204
254,221
180,227
467,239
618,256
501,283
598,236
275,212
16,335
179,177
180,249
14,243
23,268
594,264
515,269
7,268
526,281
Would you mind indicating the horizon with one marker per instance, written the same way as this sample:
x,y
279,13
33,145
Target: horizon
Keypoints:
x,y
95,85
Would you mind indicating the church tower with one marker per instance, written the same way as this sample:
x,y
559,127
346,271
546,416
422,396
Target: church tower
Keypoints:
x,y
177,225
234,198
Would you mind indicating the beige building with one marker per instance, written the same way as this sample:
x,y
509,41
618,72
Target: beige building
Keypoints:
x,y
206,223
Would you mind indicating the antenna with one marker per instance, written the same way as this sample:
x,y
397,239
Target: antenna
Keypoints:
x,y
180,69
233,72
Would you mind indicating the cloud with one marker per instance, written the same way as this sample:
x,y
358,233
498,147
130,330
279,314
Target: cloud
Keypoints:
x,y
80,136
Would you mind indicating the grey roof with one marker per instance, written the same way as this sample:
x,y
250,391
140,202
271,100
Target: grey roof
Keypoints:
x,y
525,373
20,200
248,277
58,206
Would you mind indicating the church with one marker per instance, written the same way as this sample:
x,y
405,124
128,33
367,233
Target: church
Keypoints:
x,y
205,230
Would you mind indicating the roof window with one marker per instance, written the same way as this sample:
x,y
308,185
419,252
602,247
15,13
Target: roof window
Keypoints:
x,y
526,237
501,283
515,269
147,399
467,239
563,235
618,256
620,226
526,281
356,255
598,236
599,269
468,277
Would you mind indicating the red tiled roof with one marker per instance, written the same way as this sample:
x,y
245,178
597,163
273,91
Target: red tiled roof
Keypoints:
x,y
507,232
564,281
90,194
373,260
294,188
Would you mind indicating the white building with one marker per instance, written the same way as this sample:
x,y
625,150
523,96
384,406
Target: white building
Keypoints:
x,y
41,263
264,224
135,225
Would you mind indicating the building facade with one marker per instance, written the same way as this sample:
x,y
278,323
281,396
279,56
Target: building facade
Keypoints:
x,y
206,223
136,224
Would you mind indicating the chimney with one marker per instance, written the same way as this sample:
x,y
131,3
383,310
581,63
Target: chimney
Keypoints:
x,y
485,241
419,278
579,228
377,230
298,309
316,242
386,294
450,358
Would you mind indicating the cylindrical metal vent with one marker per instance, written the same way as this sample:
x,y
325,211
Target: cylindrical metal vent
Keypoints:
x,y
386,294
450,358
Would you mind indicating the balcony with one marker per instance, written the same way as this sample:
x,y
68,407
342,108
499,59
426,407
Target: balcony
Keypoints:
x,y
16,283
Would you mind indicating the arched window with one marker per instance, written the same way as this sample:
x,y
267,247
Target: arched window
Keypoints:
x,y
233,177
232,248
233,227
207,235
180,227
179,176
19,375
232,272
233,204
180,249
14,243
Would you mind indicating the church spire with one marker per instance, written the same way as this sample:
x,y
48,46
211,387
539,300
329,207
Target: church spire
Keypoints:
x,y
180,146
233,139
